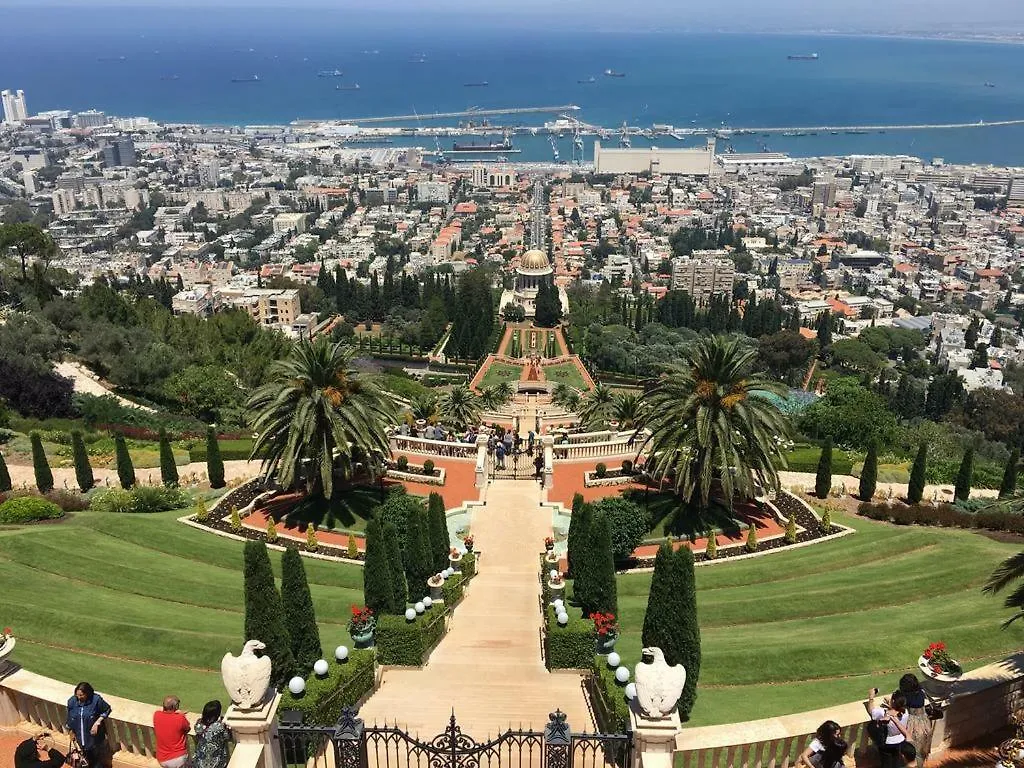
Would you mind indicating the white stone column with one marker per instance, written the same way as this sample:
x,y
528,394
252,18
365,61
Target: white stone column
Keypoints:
x,y
548,441
481,460
257,727
654,741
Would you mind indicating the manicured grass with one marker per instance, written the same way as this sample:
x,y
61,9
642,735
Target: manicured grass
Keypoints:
x,y
131,592
565,373
499,372
819,626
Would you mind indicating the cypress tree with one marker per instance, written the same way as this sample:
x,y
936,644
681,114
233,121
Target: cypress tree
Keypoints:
x,y
378,591
439,540
5,476
962,489
578,525
671,619
44,477
823,480
915,489
399,586
1006,488
83,469
168,469
599,594
419,561
299,616
264,615
214,463
869,474
125,469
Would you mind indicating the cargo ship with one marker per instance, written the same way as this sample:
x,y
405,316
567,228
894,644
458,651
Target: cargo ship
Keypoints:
x,y
253,79
588,80
803,57
353,87
498,146
480,84
613,73
330,73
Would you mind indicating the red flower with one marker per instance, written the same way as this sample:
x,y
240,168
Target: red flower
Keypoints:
x,y
927,654
549,541
936,669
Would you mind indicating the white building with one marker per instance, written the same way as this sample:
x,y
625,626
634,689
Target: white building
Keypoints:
x,y
703,277
675,162
209,172
63,202
15,111
433,192
290,222
91,118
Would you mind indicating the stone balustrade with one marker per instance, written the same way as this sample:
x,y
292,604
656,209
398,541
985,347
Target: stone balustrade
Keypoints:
x,y
620,446
411,444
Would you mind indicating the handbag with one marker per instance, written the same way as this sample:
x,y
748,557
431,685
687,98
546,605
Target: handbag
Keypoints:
x,y
934,712
76,758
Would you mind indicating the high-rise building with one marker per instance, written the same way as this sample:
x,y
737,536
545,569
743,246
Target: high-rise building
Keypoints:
x,y
63,202
824,193
29,178
118,152
90,119
703,277
209,172
15,110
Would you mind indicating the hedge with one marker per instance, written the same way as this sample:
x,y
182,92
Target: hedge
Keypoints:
x,y
571,646
468,565
945,515
611,709
28,509
408,643
142,499
453,589
343,686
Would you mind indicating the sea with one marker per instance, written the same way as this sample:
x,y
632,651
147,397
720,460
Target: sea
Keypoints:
x,y
178,65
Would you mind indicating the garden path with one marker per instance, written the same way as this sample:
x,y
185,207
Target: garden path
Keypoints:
x,y
488,668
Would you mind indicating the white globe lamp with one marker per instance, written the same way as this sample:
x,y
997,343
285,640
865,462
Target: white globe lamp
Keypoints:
x,y
553,573
320,667
410,614
296,685
420,607
622,674
341,653
558,604
427,602
563,618
613,659
631,691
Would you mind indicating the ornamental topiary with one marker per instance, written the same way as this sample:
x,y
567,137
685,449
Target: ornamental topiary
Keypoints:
x,y
751,543
628,522
402,462
168,468
125,468
28,509
601,470
311,542
826,521
41,467
264,614
597,592
353,548
271,532
915,488
399,586
428,467
962,489
711,550
83,469
1006,488
439,539
823,478
299,616
236,520
869,473
790,537
214,462
5,476
201,512
579,524
627,467
378,590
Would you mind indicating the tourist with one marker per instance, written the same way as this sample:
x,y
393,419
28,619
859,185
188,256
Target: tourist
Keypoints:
x,y
38,752
919,727
499,455
538,466
171,728
212,738
492,443
87,713
894,750
827,748
530,437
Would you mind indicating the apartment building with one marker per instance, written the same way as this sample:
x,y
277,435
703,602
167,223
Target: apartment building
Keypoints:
x,y
703,277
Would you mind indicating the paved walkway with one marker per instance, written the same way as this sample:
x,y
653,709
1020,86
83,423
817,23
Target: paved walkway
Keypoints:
x,y
488,668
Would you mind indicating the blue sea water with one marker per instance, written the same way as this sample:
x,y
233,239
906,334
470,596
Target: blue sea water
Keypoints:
x,y
177,65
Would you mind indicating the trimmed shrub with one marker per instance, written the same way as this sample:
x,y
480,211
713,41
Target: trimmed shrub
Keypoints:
x,y
578,524
826,521
823,478
345,685
612,710
399,586
353,548
452,590
628,522
202,513
5,476
439,543
271,532
28,509
41,467
299,616
595,587
627,467
236,520
408,643
402,462
428,467
399,508
69,501
915,488
142,499
1007,487
869,474
311,542
711,550
962,489
418,555
601,470
168,469
378,589
790,536
214,462
83,469
468,565
571,646
264,614
125,468
751,543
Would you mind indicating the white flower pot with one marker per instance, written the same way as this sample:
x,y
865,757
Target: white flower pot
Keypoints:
x,y
8,648
937,685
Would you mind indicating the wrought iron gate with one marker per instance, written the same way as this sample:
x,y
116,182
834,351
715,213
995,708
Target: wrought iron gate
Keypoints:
x,y
352,744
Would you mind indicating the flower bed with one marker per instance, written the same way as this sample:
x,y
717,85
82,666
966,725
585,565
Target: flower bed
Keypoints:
x,y
409,643
612,477
346,684
411,475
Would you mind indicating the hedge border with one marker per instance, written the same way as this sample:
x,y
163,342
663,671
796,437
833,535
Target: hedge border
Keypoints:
x,y
611,709
404,643
571,646
345,685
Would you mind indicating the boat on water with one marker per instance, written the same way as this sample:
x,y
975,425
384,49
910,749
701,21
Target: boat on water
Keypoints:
x,y
613,73
498,146
353,87
588,80
330,73
253,79
170,77
990,85
480,84
112,58
803,57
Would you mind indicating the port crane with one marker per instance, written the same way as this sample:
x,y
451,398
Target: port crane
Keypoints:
x,y
624,140
577,146
554,147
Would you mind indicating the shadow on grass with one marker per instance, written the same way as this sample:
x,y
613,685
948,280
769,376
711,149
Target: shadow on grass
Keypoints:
x,y
672,516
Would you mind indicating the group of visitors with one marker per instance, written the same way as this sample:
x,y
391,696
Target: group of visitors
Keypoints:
x,y
512,445
900,728
86,722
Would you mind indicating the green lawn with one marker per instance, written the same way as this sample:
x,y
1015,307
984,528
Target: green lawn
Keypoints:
x,y
565,373
499,372
820,626
131,592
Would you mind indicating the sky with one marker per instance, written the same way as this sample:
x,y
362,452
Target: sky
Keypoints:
x,y
940,16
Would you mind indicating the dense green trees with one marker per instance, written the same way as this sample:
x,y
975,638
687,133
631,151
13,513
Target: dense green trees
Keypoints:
x,y
214,463
579,525
264,613
1008,486
40,465
474,316
964,476
869,473
378,585
670,622
299,616
125,468
711,422
594,587
548,307
439,542
399,587
823,478
851,415
417,555
83,469
168,467
915,488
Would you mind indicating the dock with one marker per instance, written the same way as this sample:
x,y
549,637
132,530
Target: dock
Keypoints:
x,y
420,116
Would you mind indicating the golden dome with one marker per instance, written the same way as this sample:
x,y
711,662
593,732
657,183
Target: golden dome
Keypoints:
x,y
535,260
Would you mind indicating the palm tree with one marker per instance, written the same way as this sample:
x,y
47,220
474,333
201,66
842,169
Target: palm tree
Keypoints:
x,y
494,397
626,410
596,407
1011,569
316,410
424,406
460,407
710,421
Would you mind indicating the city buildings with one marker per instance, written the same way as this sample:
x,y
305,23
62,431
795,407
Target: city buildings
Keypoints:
x,y
15,110
703,276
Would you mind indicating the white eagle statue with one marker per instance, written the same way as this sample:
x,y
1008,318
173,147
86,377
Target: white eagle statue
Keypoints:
x,y
658,686
246,676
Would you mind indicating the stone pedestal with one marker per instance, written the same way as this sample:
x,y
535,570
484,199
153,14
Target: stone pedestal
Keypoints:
x,y
548,445
257,727
654,741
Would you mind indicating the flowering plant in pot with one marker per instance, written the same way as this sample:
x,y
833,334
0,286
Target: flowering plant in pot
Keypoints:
x,y
6,642
607,629
549,543
468,542
939,662
362,625
454,555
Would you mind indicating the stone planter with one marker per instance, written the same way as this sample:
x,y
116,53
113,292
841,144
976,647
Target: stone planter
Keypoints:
x,y
551,557
364,638
8,647
606,643
456,561
557,590
937,685
435,588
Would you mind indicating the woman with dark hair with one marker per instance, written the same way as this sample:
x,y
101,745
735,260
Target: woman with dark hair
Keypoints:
x,y
38,752
212,738
827,748
87,714
919,725
893,749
